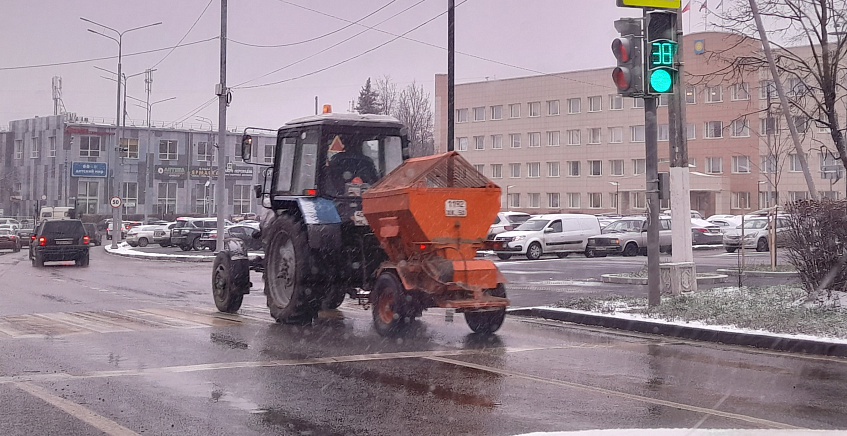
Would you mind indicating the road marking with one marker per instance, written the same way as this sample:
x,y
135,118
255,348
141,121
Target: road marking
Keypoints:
x,y
634,397
77,411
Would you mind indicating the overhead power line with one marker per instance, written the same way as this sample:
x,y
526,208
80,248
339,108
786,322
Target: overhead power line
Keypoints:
x,y
184,36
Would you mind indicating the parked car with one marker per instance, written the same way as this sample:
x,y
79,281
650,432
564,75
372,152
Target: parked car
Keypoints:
x,y
124,229
559,234
11,227
25,235
628,237
705,233
9,240
10,221
140,236
162,234
59,240
187,232
756,234
241,231
506,221
94,236
725,221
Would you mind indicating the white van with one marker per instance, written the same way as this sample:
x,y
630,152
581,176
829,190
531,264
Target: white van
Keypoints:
x,y
559,234
55,213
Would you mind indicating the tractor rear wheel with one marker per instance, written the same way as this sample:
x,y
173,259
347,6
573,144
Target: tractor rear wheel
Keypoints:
x,y
488,321
291,299
391,314
230,281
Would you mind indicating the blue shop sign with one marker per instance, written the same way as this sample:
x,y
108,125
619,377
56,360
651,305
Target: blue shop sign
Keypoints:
x,y
88,169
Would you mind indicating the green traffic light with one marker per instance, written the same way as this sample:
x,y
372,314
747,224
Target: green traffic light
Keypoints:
x,y
661,80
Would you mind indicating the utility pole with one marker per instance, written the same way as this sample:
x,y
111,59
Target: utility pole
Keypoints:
x,y
223,97
651,153
451,67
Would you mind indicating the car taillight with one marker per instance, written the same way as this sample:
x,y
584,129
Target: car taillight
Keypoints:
x,y
42,241
85,239
702,230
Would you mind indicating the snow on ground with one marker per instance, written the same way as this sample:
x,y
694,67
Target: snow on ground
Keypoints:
x,y
692,432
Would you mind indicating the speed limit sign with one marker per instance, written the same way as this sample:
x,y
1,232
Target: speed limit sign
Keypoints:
x,y
115,201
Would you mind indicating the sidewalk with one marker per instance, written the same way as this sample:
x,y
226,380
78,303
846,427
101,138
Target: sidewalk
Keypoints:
x,y
619,321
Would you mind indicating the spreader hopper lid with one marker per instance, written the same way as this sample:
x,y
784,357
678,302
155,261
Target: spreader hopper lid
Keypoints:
x,y
446,170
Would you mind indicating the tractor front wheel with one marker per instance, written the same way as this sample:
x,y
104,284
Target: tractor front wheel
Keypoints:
x,y
391,312
230,281
488,321
291,300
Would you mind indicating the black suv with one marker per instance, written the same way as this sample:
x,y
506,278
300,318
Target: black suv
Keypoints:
x,y
187,232
59,240
93,234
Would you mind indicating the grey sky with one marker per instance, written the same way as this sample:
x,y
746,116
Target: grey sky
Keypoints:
x,y
535,35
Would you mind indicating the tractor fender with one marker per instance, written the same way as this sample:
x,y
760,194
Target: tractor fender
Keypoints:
x,y
236,248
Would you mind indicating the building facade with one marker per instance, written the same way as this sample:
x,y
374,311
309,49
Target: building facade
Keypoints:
x,y
569,143
61,161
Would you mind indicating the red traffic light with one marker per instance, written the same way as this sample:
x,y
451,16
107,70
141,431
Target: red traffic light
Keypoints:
x,y
622,48
622,78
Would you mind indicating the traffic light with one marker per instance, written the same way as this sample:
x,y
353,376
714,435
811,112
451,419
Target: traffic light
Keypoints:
x,y
628,75
661,51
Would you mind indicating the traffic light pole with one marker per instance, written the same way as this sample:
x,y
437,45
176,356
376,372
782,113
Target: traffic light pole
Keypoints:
x,y
652,190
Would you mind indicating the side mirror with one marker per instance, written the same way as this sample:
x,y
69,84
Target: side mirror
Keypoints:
x,y
549,230
246,147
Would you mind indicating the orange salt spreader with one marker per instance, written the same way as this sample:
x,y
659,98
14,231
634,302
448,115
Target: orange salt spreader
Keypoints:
x,y
431,215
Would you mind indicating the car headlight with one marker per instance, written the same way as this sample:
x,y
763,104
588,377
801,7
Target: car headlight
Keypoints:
x,y
750,236
519,238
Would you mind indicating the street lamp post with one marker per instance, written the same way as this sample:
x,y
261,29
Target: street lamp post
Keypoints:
x,y
117,220
617,197
207,191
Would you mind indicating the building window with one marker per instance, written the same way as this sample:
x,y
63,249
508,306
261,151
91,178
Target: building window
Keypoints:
x,y
615,135
497,142
573,200
533,170
573,137
203,198
768,164
534,108
462,115
553,200
828,162
794,164
595,200
594,135
639,166
552,107
615,102
574,105
553,138
798,195
663,132
638,200
89,146
768,126
479,114
514,200
166,199
595,168
690,131
480,168
741,200
535,139
534,200
740,91
129,148
19,149
796,87
462,144
690,95
515,110
714,165
241,199
167,150
87,197
269,153
692,162
616,167
496,171
52,150
33,152
713,129
552,169
637,103
636,133
595,103
767,88
663,100
801,123
740,164
479,142
515,140
714,94
515,170
573,168
497,112
205,153
129,191
740,128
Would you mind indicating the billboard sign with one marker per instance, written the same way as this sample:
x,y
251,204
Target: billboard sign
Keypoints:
x,y
88,169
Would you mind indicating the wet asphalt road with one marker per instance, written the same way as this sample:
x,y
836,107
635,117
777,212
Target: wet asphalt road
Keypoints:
x,y
129,347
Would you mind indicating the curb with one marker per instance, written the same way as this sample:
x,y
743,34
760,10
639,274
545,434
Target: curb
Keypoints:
x,y
764,341
159,257
701,279
771,274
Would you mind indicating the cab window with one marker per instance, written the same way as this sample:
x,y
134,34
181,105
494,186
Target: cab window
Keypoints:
x,y
556,226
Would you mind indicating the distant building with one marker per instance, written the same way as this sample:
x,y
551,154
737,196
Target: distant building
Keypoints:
x,y
568,142
64,161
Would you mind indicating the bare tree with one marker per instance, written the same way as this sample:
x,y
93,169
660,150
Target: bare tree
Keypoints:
x,y
387,94
810,57
415,112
